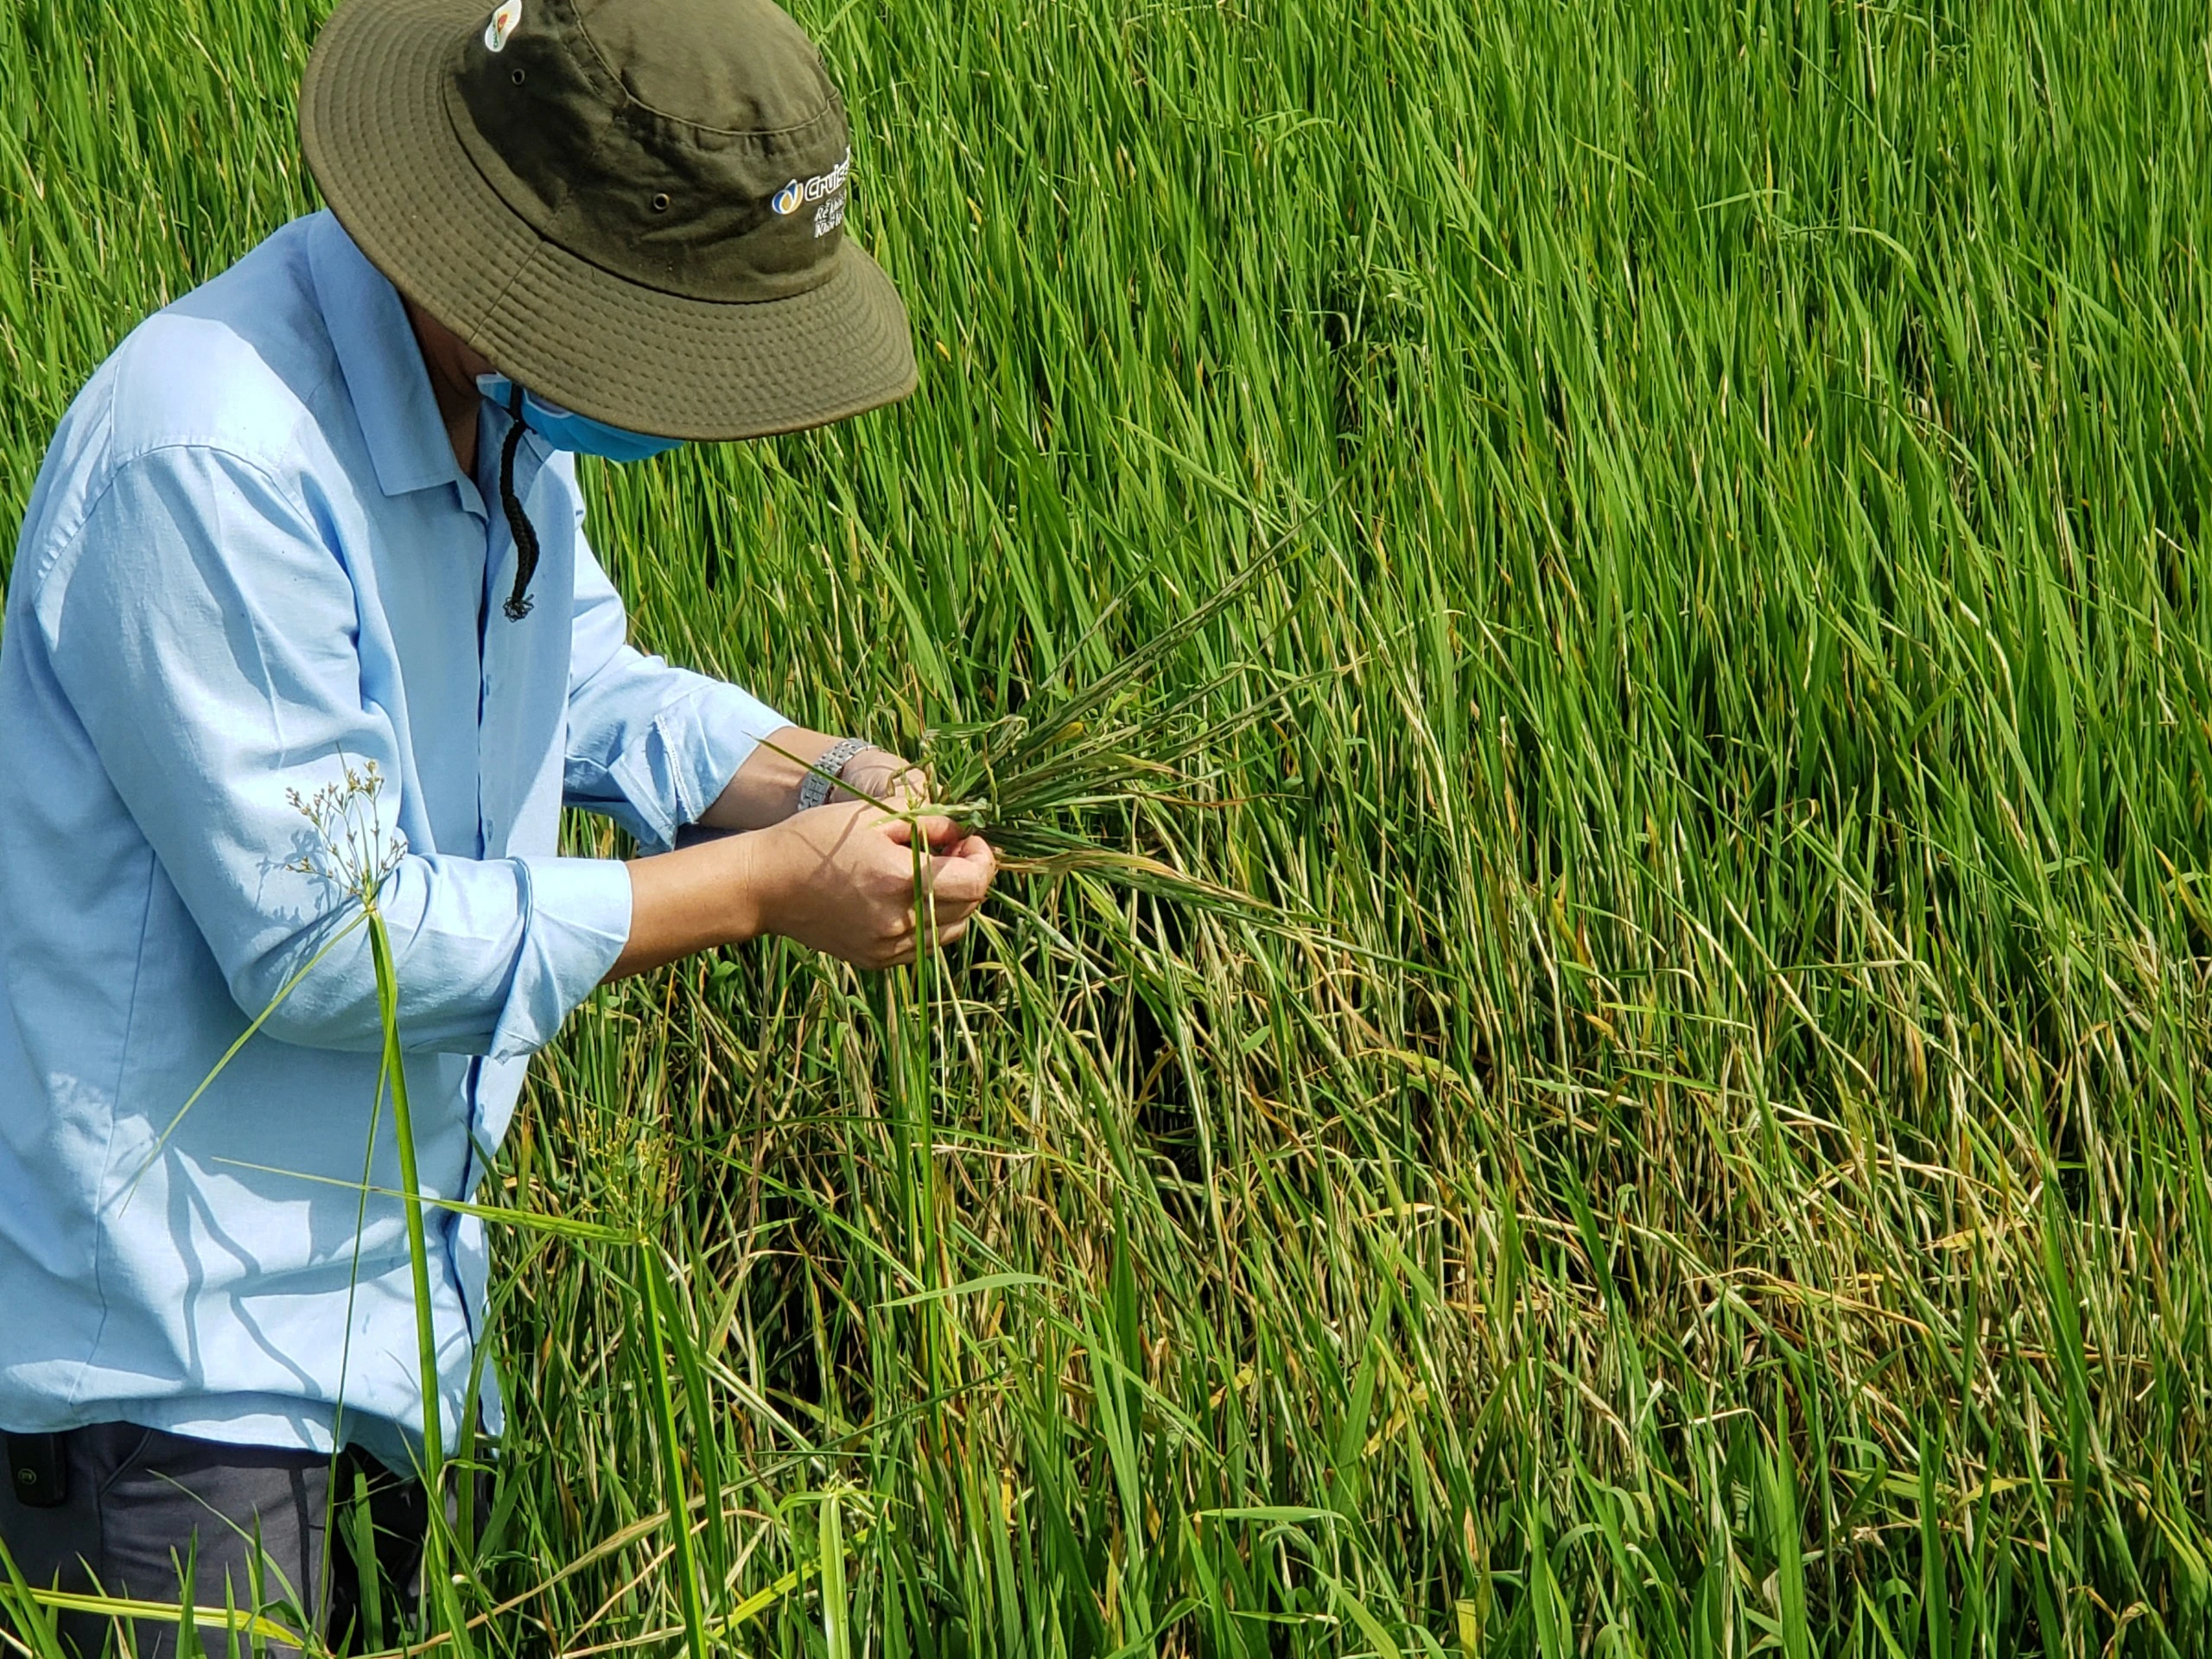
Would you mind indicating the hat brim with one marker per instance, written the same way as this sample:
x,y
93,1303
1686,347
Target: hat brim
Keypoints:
x,y
380,144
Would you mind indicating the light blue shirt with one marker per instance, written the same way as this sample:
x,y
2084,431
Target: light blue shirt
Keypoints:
x,y
250,552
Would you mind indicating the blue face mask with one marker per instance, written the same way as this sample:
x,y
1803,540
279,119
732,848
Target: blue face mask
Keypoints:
x,y
566,430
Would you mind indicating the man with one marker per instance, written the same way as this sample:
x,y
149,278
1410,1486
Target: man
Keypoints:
x,y
321,513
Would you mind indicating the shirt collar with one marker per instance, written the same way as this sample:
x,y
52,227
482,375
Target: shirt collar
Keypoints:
x,y
383,365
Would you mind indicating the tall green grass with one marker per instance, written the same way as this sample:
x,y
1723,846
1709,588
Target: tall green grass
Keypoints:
x,y
1698,1144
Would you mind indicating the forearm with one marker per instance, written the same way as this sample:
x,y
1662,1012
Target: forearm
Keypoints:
x,y
691,899
708,894
765,790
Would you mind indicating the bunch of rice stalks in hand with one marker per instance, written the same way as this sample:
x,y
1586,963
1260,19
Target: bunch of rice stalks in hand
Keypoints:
x,y
1114,747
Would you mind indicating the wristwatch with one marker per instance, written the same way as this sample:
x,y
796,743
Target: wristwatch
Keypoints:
x,y
814,788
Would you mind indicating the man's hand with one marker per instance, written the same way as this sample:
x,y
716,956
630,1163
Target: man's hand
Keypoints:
x,y
841,880
879,775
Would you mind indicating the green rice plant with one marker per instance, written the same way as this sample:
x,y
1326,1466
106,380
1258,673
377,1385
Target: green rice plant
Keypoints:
x,y
1658,1105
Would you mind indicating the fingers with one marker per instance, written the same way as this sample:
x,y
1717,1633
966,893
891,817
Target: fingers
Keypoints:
x,y
954,892
935,830
893,947
962,878
903,954
956,884
898,903
941,923
879,775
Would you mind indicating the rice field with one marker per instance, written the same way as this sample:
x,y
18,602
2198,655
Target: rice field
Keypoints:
x,y
1587,620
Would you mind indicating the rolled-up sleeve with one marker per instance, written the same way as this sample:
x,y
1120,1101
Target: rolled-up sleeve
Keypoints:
x,y
650,745
202,625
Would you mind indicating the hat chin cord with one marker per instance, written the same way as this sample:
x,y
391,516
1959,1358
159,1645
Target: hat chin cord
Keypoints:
x,y
518,524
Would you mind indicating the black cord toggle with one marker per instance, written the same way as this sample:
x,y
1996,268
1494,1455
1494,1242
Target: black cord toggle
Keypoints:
x,y
518,524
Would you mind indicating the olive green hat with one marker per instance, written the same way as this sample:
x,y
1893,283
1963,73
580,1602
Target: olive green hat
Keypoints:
x,y
634,207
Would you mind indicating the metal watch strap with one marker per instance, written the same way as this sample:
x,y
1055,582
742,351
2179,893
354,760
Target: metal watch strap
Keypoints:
x,y
814,788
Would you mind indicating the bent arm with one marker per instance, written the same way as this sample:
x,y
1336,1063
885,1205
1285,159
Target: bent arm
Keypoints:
x,y
652,745
205,635
658,748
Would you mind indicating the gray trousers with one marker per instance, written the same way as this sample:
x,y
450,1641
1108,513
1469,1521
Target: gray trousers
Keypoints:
x,y
138,1504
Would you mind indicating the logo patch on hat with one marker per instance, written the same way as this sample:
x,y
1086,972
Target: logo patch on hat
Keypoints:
x,y
504,23
822,188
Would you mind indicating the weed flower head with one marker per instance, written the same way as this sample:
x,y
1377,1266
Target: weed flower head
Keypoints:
x,y
354,852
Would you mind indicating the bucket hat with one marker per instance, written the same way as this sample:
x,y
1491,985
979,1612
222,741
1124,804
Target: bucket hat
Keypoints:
x,y
636,208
